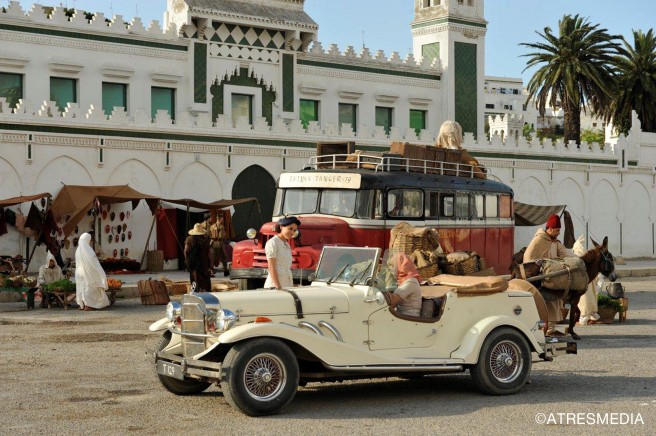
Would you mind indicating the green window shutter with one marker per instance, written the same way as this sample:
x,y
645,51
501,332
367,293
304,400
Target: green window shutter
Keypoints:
x,y
384,117
288,83
308,111
114,95
63,91
348,114
417,120
431,51
466,92
162,98
200,72
11,88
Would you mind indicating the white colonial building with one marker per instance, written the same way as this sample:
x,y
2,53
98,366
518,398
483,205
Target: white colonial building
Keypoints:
x,y
226,95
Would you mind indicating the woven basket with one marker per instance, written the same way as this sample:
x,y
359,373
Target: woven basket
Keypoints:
x,y
407,243
428,271
606,315
464,267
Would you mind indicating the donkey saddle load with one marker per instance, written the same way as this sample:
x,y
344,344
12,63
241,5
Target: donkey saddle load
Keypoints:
x,y
568,274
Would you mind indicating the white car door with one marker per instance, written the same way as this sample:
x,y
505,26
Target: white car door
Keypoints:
x,y
387,332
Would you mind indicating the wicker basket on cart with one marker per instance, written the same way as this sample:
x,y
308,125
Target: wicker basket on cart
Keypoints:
x,y
463,267
409,242
428,271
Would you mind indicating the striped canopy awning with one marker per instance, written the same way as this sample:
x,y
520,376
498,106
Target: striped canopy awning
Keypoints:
x,y
534,215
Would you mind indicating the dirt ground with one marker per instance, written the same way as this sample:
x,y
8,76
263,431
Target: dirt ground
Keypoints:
x,y
75,372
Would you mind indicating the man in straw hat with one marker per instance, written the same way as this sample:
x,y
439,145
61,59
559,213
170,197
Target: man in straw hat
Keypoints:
x,y
197,258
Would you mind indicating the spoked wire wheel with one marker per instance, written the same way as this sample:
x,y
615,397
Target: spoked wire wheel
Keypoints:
x,y
264,377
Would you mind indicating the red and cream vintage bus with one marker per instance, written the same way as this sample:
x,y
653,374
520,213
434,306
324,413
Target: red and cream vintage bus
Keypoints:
x,y
357,203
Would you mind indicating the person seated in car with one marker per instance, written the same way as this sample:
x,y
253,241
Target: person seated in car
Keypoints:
x,y
406,299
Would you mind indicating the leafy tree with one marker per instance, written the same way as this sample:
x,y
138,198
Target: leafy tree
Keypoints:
x,y
575,68
527,131
590,136
636,84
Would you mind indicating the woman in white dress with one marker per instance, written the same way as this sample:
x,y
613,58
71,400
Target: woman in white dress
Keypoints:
x,y
90,278
279,254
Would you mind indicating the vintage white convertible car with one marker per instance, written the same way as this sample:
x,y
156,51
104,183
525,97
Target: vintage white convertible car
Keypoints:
x,y
260,345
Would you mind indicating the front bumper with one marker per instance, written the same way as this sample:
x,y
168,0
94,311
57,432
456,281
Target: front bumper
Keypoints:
x,y
263,273
181,368
558,348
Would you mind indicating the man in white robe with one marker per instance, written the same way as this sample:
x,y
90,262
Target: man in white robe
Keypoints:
x,y
90,278
48,273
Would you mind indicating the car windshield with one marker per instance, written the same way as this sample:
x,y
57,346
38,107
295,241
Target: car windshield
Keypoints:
x,y
347,264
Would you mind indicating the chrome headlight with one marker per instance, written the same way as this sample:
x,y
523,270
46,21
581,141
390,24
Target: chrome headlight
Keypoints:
x,y
173,310
225,320
251,233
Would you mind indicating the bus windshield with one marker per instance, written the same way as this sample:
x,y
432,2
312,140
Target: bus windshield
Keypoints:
x,y
339,202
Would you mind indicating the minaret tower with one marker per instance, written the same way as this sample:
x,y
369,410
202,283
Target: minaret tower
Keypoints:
x,y
454,32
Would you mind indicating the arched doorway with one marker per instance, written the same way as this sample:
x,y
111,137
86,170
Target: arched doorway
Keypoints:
x,y
256,182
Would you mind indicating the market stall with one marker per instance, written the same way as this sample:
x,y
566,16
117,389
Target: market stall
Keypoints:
x,y
12,268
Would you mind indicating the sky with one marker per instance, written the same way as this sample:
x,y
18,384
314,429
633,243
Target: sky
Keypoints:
x,y
386,25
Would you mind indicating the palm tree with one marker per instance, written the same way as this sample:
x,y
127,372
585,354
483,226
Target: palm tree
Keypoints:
x,y
575,69
636,83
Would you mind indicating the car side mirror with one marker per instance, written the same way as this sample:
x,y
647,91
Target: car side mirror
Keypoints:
x,y
380,298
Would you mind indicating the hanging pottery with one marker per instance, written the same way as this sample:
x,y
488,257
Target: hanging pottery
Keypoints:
x,y
43,202
116,237
110,238
77,230
67,243
115,253
61,243
122,216
118,229
121,252
74,242
123,237
104,214
112,216
125,227
126,252
130,234
107,228
127,214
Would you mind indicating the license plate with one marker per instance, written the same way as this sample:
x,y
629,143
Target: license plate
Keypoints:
x,y
170,370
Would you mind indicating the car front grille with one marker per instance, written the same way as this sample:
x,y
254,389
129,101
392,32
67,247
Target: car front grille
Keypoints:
x,y
193,321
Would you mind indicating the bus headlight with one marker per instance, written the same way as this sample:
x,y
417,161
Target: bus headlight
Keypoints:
x,y
225,320
173,310
251,233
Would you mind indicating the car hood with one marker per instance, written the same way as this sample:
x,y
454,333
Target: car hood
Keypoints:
x,y
270,302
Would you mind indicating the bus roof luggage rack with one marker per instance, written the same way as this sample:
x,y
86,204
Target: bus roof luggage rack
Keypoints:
x,y
391,162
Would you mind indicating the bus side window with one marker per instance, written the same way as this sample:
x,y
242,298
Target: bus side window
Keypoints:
x,y
491,206
447,205
378,211
505,206
405,203
366,204
433,205
478,210
462,206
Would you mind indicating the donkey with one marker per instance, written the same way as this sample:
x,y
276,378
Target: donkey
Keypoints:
x,y
597,260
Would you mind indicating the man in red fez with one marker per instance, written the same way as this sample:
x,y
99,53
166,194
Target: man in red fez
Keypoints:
x,y
545,245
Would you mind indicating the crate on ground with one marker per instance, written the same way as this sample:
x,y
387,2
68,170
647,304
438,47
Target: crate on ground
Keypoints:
x,y
155,260
153,292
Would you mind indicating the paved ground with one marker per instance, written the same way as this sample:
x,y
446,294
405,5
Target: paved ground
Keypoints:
x,y
75,372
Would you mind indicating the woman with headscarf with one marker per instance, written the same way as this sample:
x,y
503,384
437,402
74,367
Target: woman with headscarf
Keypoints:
x,y
279,254
407,296
90,278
